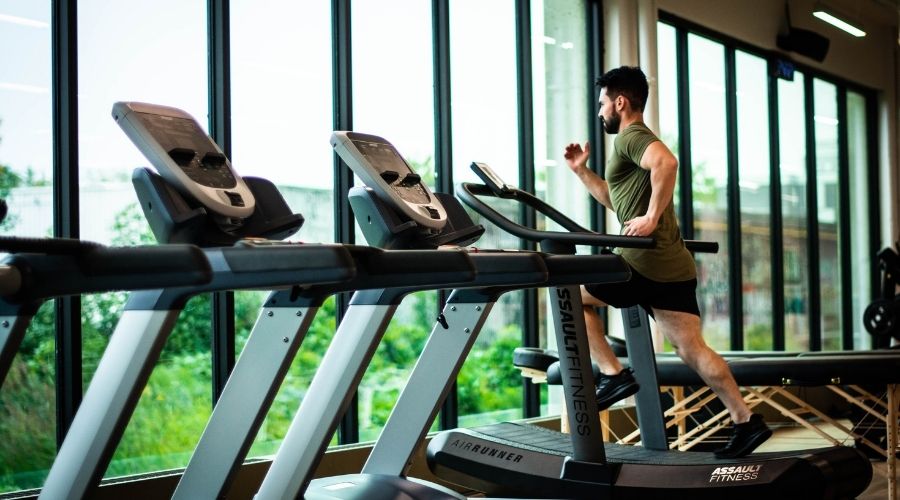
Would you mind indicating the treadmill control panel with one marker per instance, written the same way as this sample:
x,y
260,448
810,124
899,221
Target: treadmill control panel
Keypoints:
x,y
185,156
380,166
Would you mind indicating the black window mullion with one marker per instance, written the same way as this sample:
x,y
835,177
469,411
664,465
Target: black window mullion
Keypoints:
x,y
814,311
595,52
845,252
530,323
686,200
777,235
734,205
342,119
595,62
872,145
64,39
443,152
222,307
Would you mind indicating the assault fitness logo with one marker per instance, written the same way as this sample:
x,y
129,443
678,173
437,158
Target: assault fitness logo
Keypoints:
x,y
735,473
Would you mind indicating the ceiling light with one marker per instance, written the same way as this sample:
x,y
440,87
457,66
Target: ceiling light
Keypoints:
x,y
837,20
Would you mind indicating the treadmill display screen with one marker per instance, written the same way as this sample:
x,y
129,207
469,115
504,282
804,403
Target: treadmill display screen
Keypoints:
x,y
182,135
385,158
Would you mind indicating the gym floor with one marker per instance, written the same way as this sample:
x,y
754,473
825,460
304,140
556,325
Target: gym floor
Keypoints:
x,y
793,438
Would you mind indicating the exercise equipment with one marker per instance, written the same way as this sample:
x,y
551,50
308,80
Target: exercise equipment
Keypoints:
x,y
882,317
479,458
39,269
301,275
385,213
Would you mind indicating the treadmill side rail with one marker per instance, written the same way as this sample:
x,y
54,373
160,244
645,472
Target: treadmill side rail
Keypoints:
x,y
244,401
114,391
428,385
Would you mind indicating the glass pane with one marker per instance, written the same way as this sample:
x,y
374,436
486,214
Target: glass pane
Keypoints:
x,y
667,89
563,108
792,151
709,173
827,192
393,98
753,166
118,62
27,396
860,253
281,50
267,128
485,125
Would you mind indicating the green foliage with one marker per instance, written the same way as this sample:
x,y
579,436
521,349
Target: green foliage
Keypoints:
x,y
9,180
488,380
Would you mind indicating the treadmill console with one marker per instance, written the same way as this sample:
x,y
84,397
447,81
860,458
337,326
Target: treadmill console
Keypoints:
x,y
492,180
380,166
187,158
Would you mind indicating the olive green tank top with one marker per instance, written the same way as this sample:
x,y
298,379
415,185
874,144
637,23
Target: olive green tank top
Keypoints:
x,y
629,191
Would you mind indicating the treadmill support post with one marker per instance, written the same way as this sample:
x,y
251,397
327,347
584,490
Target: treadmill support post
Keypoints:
x,y
430,381
245,400
12,331
110,400
328,396
577,374
643,362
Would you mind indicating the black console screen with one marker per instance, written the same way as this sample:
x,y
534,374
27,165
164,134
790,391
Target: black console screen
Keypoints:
x,y
181,136
386,159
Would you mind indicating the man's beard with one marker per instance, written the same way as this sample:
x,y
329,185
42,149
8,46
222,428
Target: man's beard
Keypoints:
x,y
612,126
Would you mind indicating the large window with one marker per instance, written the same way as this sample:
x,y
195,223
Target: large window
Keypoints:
x,y
485,129
751,80
667,90
792,141
393,98
563,109
828,211
860,202
123,60
27,399
784,205
280,124
709,173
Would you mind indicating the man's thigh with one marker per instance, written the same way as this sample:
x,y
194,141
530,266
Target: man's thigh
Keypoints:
x,y
681,328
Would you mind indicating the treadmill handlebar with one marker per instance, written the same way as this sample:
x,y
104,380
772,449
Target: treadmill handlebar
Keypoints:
x,y
46,246
577,234
69,267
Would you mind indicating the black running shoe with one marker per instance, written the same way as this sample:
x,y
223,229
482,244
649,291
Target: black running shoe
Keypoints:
x,y
612,388
745,438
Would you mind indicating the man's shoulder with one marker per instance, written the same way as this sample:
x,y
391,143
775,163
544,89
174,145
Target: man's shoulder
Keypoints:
x,y
635,130
636,133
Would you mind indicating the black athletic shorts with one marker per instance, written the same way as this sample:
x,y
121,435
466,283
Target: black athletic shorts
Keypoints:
x,y
678,296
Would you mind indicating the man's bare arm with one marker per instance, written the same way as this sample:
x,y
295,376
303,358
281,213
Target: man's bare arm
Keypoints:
x,y
577,158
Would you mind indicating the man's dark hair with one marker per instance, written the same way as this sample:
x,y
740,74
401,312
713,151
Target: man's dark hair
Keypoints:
x,y
628,81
